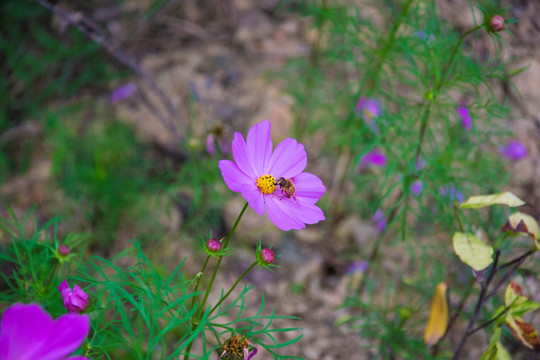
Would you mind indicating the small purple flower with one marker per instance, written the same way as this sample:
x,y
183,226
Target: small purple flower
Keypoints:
x,y
380,220
465,116
75,300
274,180
514,150
452,192
221,135
358,266
368,108
374,157
422,35
420,164
29,332
210,141
123,92
416,187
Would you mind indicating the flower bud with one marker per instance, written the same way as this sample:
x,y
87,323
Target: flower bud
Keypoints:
x,y
213,245
64,250
267,256
496,23
75,300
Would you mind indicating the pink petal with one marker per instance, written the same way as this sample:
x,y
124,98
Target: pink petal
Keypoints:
x,y
78,358
310,213
67,334
233,176
254,198
240,154
64,286
466,121
282,214
289,159
375,157
309,187
259,147
23,331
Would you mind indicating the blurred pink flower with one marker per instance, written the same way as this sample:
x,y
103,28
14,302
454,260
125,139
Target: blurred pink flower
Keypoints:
x,y
357,266
274,179
368,108
514,150
465,116
416,187
75,300
374,157
28,332
380,220
452,192
427,38
123,92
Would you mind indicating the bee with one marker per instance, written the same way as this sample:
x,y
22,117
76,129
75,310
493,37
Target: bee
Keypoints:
x,y
287,188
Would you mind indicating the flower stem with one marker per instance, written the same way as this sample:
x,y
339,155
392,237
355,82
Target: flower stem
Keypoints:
x,y
213,278
233,287
199,276
51,276
368,83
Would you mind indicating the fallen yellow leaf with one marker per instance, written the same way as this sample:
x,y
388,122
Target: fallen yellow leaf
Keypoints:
x,y
438,316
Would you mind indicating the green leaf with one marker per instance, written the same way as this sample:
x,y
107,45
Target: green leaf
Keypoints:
x,y
472,251
505,198
517,302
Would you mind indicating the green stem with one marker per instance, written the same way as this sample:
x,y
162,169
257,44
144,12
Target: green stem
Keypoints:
x,y
51,276
453,57
216,269
200,274
233,287
345,152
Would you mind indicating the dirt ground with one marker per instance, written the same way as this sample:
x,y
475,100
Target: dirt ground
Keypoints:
x,y
224,53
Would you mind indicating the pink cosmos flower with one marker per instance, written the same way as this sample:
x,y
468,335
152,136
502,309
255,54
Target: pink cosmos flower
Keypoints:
x,y
375,157
514,150
465,116
274,180
75,300
368,108
28,332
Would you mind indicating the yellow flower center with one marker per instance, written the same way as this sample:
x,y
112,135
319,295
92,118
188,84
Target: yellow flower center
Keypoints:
x,y
267,184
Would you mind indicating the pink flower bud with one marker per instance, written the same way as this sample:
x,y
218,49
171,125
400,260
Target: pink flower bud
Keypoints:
x,y
64,250
75,300
213,245
496,23
267,255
